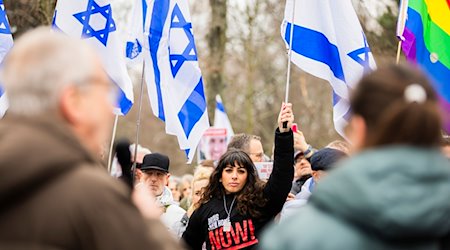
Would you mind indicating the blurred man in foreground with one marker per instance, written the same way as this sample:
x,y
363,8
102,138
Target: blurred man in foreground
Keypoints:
x,y
53,191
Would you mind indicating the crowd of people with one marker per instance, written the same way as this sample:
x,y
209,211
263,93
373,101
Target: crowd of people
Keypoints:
x,y
388,187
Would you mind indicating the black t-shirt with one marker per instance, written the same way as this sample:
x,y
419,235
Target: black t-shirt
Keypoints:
x,y
206,223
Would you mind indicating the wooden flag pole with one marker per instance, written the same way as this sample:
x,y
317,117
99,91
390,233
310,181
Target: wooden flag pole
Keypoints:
x,y
401,22
113,137
399,49
138,123
288,76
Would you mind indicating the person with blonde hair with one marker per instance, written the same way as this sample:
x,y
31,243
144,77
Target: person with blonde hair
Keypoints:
x,y
185,189
199,182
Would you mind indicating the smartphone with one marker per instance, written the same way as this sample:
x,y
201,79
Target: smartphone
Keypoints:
x,y
294,127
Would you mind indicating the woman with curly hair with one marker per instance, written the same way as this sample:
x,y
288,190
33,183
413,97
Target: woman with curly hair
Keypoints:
x,y
236,204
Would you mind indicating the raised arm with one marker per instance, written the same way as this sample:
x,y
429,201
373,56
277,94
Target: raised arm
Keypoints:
x,y
280,181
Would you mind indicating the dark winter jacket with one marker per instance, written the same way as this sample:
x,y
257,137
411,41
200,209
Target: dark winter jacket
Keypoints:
x,y
55,195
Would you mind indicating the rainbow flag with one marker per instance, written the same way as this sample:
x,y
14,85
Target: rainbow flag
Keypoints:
x,y
425,39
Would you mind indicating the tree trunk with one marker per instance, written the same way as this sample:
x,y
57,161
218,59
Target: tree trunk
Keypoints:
x,y
27,14
249,46
216,43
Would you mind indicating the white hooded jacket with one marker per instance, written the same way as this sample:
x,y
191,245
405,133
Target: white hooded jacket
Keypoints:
x,y
172,212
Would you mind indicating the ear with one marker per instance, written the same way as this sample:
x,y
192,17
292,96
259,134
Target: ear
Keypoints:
x,y
315,176
138,175
166,180
69,102
358,132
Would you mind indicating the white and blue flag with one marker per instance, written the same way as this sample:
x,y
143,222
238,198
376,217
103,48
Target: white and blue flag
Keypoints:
x,y
221,118
6,43
93,21
136,32
329,43
174,80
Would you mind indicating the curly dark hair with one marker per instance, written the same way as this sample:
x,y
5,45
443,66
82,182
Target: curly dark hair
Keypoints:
x,y
250,198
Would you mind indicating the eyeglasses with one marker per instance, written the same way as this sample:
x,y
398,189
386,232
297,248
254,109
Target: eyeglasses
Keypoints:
x,y
97,82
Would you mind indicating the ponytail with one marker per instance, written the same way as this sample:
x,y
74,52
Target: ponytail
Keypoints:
x,y
399,107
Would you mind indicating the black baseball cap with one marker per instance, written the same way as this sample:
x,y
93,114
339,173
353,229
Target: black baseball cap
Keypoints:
x,y
155,161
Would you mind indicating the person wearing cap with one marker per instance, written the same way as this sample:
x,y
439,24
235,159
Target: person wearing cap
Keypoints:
x,y
302,172
302,158
154,174
322,161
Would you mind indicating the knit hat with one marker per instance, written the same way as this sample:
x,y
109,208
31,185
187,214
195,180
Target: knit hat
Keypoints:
x,y
325,158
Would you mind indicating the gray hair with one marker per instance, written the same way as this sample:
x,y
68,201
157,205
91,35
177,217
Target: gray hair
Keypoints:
x,y
40,65
242,142
340,145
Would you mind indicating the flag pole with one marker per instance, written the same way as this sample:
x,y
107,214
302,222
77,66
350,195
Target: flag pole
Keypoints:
x,y
398,51
113,137
288,76
138,123
401,22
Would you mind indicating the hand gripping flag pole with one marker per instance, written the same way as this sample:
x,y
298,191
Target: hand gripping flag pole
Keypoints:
x,y
288,77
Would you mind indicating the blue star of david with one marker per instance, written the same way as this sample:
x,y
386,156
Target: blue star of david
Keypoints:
x,y
190,52
364,50
54,26
85,16
4,25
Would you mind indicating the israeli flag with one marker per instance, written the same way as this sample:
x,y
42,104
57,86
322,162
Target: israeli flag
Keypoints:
x,y
93,21
136,33
221,118
174,80
329,43
6,43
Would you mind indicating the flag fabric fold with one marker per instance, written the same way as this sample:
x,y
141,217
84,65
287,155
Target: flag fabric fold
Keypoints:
x,y
329,42
6,43
426,42
136,33
221,118
173,77
93,21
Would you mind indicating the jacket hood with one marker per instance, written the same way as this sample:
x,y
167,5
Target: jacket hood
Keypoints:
x,y
395,192
166,198
35,151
